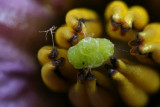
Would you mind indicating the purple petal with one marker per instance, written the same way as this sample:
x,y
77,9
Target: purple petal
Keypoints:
x,y
20,80
13,60
11,88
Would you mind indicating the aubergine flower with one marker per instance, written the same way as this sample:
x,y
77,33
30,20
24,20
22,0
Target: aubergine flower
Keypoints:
x,y
20,81
20,21
134,82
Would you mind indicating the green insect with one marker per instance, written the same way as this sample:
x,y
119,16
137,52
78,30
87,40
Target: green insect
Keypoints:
x,y
90,52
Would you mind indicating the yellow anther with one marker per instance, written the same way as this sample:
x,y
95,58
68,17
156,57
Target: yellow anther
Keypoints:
x,y
52,80
136,17
142,76
102,80
147,43
80,23
56,68
98,96
66,37
117,33
78,95
116,10
43,54
131,94
84,21
86,93
124,22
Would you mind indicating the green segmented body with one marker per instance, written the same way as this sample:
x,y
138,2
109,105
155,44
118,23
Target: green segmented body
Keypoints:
x,y
90,52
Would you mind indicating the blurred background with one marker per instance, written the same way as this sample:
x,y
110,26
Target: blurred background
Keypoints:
x,y
20,40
